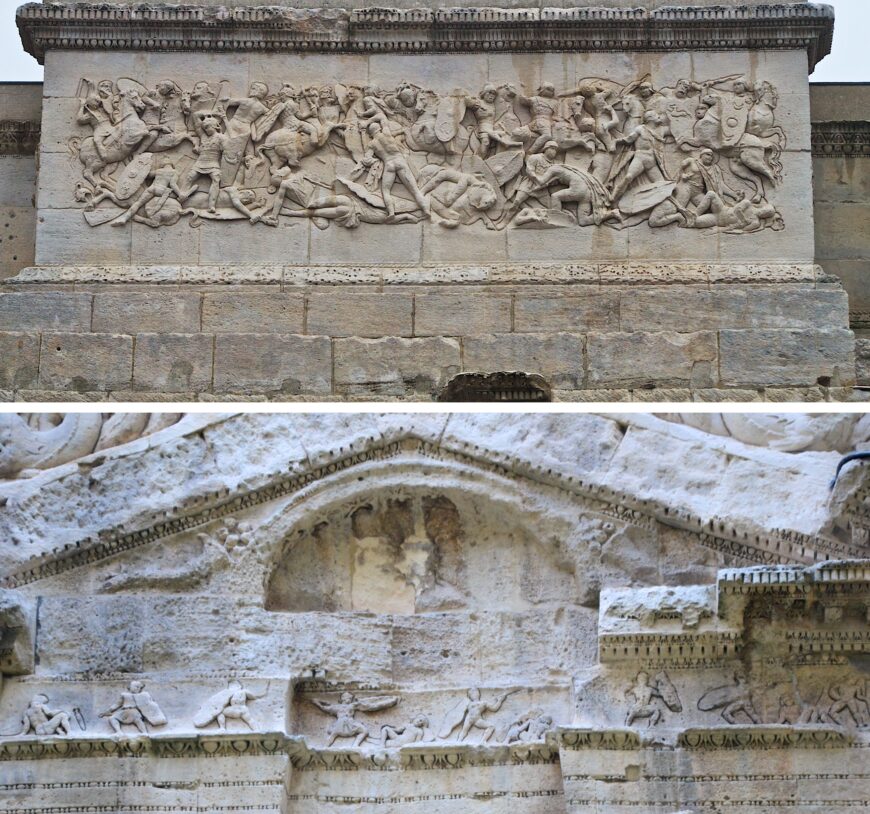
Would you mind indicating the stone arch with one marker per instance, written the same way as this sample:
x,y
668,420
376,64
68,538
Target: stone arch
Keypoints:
x,y
423,535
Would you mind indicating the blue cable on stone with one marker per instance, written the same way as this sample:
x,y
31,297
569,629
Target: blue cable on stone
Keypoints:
x,y
854,456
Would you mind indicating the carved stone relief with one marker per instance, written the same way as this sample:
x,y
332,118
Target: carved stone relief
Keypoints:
x,y
36,441
697,155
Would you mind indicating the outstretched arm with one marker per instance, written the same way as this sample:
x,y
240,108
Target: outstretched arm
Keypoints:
x,y
324,706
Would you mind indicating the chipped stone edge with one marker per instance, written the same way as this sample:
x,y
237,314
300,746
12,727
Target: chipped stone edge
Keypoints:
x,y
442,274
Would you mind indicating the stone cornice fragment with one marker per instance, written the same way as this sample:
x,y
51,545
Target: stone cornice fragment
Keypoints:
x,y
841,139
19,138
144,27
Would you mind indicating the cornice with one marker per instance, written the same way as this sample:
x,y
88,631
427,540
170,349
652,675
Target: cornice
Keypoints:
x,y
768,549
106,26
841,139
19,138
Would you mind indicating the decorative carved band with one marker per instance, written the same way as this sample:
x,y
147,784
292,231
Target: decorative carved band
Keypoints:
x,y
104,26
841,139
764,737
19,138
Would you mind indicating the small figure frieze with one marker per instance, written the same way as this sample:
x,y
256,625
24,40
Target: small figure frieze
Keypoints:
x,y
228,704
134,708
697,155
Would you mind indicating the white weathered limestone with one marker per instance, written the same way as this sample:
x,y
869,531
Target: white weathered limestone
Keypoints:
x,y
298,612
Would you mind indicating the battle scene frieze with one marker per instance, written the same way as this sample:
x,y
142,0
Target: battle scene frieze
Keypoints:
x,y
696,155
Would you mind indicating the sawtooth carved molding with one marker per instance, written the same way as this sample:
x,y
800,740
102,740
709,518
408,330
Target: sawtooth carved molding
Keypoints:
x,y
697,155
19,138
849,139
105,26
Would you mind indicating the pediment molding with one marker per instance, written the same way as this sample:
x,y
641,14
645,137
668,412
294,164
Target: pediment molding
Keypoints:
x,y
777,547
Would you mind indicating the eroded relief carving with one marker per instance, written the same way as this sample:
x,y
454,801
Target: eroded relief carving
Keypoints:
x,y
695,155
470,714
228,704
344,711
134,708
731,700
44,722
649,697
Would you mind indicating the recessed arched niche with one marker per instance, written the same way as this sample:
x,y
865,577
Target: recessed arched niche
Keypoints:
x,y
418,550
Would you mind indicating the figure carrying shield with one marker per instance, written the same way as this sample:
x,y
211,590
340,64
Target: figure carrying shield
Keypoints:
x,y
135,707
346,725
229,703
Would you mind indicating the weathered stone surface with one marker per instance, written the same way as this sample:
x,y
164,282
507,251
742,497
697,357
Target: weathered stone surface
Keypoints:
x,y
173,362
279,363
787,357
149,312
395,366
19,360
559,357
459,315
85,361
355,313
37,311
238,312
594,312
652,360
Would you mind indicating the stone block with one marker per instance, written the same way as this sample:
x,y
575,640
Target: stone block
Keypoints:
x,y
241,312
240,242
844,227
694,308
644,359
173,363
862,361
355,313
49,311
459,314
395,367
17,181
19,360
17,239
151,312
787,358
83,362
591,311
558,357
64,237
179,244
370,244
274,363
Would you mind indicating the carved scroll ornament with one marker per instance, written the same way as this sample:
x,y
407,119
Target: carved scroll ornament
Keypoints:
x,y
601,155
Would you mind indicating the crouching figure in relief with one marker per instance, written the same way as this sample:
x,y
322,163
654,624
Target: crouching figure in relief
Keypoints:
x,y
44,721
598,155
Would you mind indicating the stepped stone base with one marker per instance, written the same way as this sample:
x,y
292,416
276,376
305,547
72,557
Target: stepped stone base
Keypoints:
x,y
597,332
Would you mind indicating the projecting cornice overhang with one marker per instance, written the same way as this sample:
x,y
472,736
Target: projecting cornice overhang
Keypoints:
x,y
104,26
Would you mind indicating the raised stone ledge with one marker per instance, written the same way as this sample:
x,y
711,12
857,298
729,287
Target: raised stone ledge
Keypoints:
x,y
104,26
442,274
194,746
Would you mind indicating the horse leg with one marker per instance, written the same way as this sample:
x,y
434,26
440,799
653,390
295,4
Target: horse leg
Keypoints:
x,y
741,170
